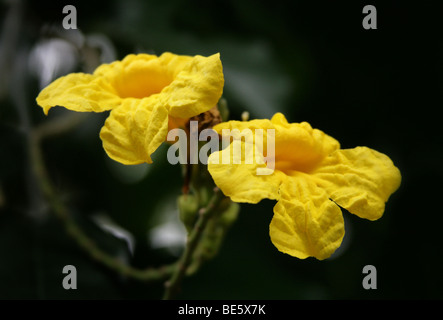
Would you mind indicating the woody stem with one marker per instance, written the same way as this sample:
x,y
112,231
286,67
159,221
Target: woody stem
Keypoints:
x,y
204,215
62,212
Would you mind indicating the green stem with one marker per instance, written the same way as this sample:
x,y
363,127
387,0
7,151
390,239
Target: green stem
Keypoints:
x,y
173,284
61,211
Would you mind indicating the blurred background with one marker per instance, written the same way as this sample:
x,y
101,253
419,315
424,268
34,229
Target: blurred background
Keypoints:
x,y
313,62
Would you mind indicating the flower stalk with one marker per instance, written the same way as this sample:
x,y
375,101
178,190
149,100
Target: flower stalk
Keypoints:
x,y
62,213
204,215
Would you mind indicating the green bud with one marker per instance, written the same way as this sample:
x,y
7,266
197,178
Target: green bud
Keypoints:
x,y
223,109
230,214
216,229
188,208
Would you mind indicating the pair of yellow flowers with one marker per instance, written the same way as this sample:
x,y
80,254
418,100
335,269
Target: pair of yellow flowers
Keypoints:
x,y
150,95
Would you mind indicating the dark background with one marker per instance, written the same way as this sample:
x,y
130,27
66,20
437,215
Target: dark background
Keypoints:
x,y
313,62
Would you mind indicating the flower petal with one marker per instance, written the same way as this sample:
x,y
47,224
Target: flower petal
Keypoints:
x,y
238,179
241,125
298,147
134,131
360,180
196,88
142,75
306,223
79,92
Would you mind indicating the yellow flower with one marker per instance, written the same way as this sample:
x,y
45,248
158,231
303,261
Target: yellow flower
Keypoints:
x,y
146,95
312,177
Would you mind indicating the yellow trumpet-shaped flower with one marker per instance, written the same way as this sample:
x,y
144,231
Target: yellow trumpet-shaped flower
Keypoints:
x,y
147,95
312,177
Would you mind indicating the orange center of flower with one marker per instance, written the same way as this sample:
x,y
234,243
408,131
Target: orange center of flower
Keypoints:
x,y
297,156
141,82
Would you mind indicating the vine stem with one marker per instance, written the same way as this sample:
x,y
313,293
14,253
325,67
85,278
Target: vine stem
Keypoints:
x,y
204,215
61,211
175,271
